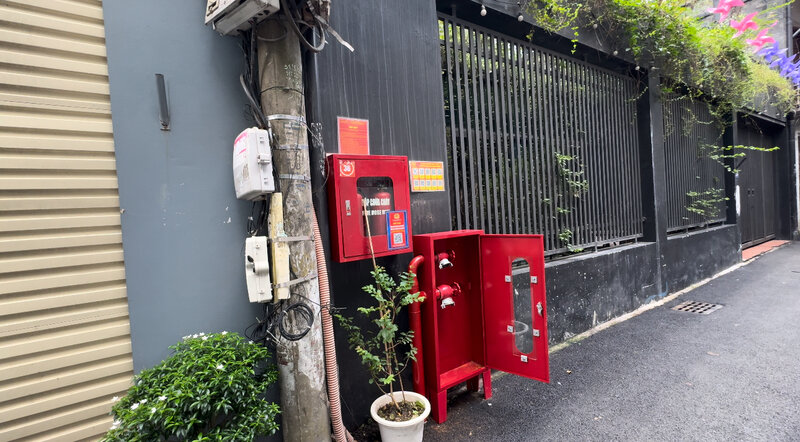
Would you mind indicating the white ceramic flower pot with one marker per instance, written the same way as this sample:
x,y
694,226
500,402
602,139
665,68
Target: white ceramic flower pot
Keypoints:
x,y
408,431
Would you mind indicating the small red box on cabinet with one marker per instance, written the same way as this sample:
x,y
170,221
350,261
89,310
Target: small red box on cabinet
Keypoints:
x,y
368,201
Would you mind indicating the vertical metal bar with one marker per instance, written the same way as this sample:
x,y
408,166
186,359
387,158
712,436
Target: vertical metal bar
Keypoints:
x,y
582,142
558,144
545,120
596,185
668,163
578,146
509,126
527,190
620,203
588,136
485,173
581,148
551,148
463,117
667,156
608,212
448,35
471,159
624,172
567,122
491,201
593,117
535,160
545,86
517,163
522,217
496,134
631,148
637,188
503,145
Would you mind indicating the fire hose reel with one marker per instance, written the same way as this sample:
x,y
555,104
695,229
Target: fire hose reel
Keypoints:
x,y
369,205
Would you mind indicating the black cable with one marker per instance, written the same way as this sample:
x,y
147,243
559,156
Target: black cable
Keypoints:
x,y
258,114
267,331
293,24
304,311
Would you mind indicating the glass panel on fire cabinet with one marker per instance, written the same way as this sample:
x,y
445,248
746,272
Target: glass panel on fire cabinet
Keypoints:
x,y
377,198
523,312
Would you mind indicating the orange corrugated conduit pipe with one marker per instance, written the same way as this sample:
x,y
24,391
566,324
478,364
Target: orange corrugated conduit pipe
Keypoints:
x,y
340,433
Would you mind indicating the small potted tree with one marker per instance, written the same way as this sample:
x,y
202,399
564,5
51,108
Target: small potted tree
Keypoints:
x,y
387,352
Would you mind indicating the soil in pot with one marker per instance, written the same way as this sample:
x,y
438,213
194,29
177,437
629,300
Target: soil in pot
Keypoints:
x,y
405,410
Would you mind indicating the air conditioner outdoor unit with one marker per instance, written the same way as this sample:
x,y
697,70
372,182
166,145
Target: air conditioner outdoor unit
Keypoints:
x,y
228,17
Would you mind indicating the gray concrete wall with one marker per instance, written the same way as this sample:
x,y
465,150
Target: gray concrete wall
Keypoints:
x,y
183,229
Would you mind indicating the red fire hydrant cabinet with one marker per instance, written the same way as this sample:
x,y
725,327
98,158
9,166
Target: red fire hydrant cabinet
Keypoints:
x,y
485,309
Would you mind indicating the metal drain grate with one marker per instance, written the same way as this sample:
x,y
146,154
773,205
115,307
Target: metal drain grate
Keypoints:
x,y
703,308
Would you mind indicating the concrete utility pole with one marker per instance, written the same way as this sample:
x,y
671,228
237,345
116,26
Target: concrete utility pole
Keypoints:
x,y
301,364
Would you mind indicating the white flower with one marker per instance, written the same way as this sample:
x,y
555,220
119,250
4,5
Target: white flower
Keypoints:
x,y
201,333
153,410
187,337
220,367
115,424
162,398
194,336
135,406
224,333
114,399
143,401
249,342
205,338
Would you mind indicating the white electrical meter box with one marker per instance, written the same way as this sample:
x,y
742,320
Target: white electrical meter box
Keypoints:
x,y
252,165
256,268
231,16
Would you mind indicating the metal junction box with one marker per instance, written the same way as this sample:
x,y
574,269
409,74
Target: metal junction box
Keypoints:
x,y
369,206
484,309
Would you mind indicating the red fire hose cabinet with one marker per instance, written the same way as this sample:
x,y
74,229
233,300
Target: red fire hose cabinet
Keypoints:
x,y
485,309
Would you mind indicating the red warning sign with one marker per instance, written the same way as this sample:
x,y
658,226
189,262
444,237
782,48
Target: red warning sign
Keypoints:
x,y
353,135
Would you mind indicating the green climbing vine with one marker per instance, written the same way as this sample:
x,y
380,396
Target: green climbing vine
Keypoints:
x,y
706,203
721,154
572,184
698,58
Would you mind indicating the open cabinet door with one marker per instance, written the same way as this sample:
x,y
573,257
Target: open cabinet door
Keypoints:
x,y
514,307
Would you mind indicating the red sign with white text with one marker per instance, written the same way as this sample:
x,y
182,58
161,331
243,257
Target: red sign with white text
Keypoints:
x,y
353,135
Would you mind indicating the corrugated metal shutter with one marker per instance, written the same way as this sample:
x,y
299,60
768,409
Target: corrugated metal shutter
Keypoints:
x,y
64,330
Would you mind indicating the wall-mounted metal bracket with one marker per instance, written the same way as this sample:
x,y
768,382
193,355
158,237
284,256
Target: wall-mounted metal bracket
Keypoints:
x,y
163,105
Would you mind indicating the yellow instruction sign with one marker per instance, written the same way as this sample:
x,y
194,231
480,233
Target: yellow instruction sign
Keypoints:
x,y
426,176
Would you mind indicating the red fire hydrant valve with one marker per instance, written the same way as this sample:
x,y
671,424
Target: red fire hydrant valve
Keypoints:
x,y
448,291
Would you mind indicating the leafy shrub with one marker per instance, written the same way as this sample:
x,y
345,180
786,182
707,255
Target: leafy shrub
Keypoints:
x,y
379,344
210,389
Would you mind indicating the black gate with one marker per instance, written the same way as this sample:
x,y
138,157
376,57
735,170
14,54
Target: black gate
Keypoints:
x,y
757,184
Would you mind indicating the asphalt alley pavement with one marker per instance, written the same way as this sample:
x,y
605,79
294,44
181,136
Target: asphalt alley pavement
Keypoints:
x,y
663,375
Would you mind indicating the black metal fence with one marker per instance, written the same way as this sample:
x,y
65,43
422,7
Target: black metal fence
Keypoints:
x,y
538,142
695,182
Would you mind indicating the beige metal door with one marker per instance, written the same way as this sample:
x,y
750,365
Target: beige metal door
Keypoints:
x,y
64,330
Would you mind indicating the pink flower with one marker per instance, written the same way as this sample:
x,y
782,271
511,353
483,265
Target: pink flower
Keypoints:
x,y
761,39
724,8
744,25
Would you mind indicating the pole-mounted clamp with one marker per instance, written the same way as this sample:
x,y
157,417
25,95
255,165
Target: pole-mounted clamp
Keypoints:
x,y
290,239
297,118
294,177
295,281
